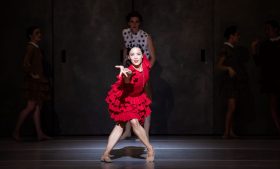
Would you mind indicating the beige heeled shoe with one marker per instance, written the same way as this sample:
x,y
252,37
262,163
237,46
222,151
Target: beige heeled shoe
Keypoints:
x,y
105,159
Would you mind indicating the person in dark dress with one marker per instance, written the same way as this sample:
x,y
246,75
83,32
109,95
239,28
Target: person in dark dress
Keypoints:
x,y
135,36
229,63
266,55
36,88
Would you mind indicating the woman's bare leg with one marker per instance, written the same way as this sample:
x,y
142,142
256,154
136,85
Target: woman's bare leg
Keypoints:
x,y
112,140
147,124
127,131
37,121
22,116
140,132
229,118
274,110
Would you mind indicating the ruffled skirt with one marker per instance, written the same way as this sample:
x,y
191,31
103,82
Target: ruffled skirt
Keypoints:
x,y
123,108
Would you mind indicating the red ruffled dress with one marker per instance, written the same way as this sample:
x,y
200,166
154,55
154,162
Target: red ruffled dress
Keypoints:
x,y
128,101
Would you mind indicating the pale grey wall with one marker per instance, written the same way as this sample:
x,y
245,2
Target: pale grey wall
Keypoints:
x,y
89,31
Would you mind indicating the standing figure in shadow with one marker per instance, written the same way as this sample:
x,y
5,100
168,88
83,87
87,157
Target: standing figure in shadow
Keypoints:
x,y
36,87
134,36
266,55
228,63
129,103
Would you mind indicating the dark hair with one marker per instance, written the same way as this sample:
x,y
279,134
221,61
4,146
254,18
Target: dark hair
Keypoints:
x,y
134,14
273,23
30,30
231,30
138,46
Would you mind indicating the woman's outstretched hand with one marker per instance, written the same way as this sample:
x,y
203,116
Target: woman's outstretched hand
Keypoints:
x,y
123,71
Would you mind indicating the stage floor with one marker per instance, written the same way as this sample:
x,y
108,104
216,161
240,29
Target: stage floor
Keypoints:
x,y
172,152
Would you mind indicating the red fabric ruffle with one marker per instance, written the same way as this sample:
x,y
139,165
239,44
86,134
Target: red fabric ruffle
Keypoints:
x,y
123,107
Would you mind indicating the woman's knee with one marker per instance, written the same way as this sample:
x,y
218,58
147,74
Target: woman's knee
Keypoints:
x,y
121,125
30,105
134,123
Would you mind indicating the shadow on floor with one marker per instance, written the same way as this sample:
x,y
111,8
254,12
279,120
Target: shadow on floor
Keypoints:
x,y
131,151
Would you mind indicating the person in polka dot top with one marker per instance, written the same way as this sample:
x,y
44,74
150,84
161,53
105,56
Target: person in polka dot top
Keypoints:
x,y
133,36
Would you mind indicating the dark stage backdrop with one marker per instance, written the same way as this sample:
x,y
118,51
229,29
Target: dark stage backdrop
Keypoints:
x,y
82,43
16,17
90,32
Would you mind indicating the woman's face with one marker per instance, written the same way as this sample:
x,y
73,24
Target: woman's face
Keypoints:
x,y
270,31
36,35
236,37
136,56
134,24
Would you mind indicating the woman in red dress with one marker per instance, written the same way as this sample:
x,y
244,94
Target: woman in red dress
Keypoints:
x,y
128,102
